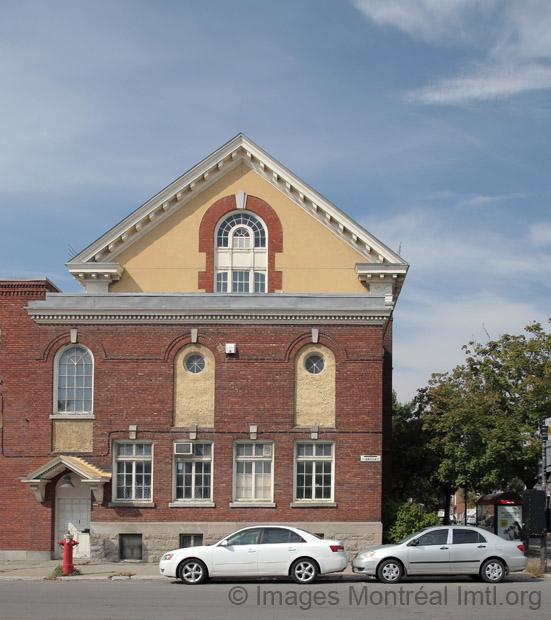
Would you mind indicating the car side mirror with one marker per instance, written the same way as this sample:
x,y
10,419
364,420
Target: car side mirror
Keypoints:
x,y
413,543
224,543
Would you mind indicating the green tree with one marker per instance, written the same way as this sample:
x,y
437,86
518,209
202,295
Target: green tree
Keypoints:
x,y
483,418
413,466
410,519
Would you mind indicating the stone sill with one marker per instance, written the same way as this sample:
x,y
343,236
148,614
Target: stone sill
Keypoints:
x,y
131,505
72,416
192,505
313,505
253,505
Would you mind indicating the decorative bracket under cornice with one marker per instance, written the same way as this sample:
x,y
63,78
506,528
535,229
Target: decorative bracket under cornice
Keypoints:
x,y
38,487
96,277
383,279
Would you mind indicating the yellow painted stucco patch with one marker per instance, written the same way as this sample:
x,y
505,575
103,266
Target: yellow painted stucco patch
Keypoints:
x,y
194,393
315,393
72,435
167,260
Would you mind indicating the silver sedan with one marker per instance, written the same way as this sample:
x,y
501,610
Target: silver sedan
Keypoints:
x,y
444,550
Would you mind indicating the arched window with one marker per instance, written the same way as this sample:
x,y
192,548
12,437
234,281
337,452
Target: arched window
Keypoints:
x,y
241,257
74,381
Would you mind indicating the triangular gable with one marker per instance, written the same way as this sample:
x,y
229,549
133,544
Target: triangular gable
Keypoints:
x,y
99,260
88,473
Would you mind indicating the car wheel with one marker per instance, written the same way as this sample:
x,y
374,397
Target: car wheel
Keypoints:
x,y
390,571
492,571
304,571
193,572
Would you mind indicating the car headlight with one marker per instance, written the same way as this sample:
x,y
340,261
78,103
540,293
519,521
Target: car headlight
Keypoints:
x,y
167,556
363,555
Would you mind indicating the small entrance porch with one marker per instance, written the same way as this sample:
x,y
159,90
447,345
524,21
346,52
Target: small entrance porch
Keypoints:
x,y
77,481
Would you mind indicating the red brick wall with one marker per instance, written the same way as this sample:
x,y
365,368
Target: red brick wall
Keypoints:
x,y
134,385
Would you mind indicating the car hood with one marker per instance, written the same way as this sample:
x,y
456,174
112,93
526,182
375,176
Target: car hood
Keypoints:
x,y
378,547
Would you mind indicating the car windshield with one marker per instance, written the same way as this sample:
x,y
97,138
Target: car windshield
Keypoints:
x,y
410,537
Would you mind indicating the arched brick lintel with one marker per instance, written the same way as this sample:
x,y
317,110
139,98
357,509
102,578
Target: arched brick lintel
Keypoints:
x,y
206,238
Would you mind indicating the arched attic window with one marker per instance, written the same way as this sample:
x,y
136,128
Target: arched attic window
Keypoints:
x,y
241,256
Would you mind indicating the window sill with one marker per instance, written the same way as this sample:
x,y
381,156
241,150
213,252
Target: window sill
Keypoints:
x,y
121,504
72,416
313,504
253,505
191,504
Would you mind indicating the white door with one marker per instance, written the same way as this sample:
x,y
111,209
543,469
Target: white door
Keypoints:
x,y
74,515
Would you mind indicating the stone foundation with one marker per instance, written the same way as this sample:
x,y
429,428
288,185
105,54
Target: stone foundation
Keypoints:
x,y
157,538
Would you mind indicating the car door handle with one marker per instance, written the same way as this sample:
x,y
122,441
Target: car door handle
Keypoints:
x,y
251,550
481,547
444,548
292,548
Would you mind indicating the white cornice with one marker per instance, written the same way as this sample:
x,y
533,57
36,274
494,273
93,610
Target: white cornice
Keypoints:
x,y
238,150
189,309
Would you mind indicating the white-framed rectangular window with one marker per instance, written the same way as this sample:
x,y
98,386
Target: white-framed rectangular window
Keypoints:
x,y
314,472
259,282
193,474
240,281
222,282
134,472
253,472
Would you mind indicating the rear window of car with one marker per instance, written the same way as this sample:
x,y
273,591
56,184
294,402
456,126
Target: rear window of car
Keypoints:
x,y
275,535
464,537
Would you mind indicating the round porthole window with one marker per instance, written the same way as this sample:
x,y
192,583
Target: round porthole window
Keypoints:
x,y
314,364
194,363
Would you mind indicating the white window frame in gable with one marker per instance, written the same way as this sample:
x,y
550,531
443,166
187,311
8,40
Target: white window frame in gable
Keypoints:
x,y
239,269
67,415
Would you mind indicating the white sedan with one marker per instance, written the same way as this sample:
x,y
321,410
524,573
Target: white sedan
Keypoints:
x,y
257,552
444,550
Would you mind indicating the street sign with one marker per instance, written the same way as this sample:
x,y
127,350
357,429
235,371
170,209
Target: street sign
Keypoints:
x,y
370,458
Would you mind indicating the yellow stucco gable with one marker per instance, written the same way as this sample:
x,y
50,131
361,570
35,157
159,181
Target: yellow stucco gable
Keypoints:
x,y
167,259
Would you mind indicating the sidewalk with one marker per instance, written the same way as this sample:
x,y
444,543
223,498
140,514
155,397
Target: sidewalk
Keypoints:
x,y
89,569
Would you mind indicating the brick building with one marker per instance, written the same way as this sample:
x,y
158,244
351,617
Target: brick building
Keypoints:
x,y
229,363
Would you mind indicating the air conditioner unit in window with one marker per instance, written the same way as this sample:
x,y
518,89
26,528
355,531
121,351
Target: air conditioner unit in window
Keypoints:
x,y
267,449
183,448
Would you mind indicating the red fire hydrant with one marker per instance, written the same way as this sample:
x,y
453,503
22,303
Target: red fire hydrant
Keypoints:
x,y
68,543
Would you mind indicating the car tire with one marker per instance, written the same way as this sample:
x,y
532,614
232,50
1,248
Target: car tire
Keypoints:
x,y
192,572
390,571
493,571
304,571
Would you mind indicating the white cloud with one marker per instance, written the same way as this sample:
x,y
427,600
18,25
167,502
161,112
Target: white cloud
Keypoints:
x,y
431,329
466,282
516,36
489,83
540,234
430,20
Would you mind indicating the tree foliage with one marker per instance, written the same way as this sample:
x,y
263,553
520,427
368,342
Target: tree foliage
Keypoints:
x,y
410,519
413,466
483,418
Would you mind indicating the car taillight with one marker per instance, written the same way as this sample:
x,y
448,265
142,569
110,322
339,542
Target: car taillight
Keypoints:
x,y
521,548
335,548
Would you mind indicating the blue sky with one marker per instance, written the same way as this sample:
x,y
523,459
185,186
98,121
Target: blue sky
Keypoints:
x,y
426,121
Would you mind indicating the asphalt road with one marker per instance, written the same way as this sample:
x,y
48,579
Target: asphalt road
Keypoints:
x,y
454,598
